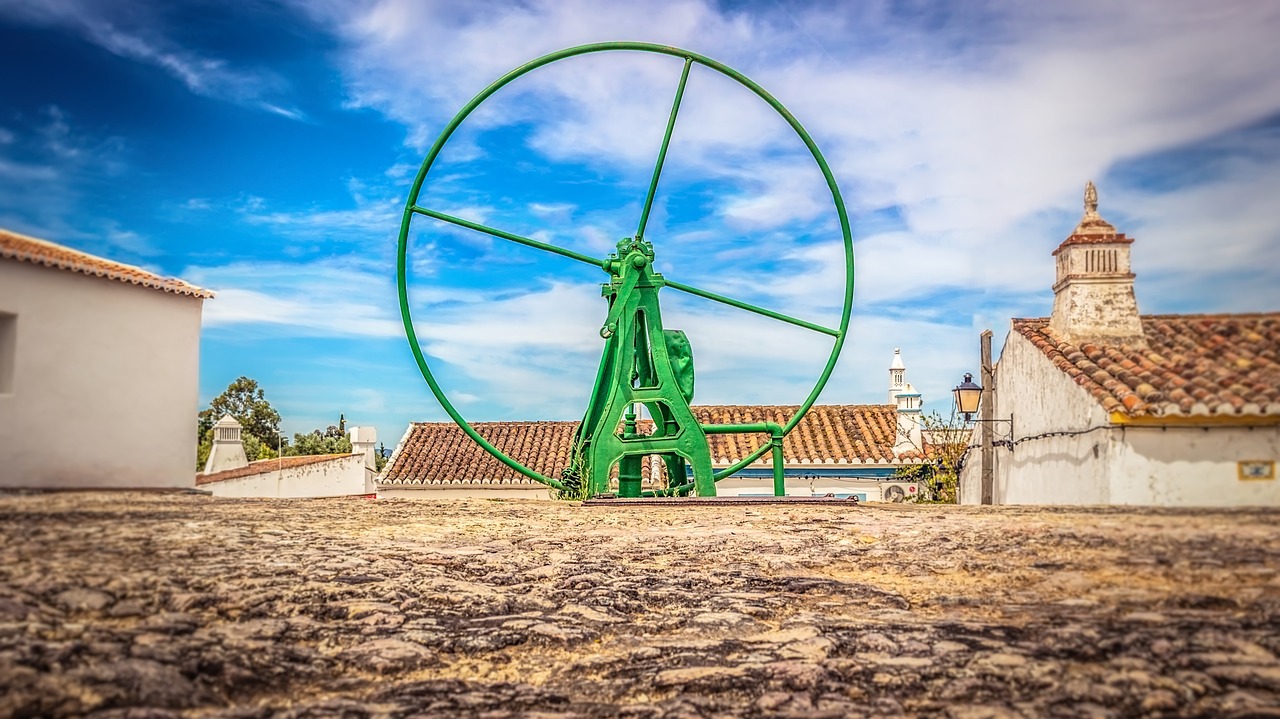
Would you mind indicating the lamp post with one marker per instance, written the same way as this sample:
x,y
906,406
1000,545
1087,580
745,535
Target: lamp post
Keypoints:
x,y
969,399
968,395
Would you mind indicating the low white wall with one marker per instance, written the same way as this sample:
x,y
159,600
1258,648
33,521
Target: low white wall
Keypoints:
x,y
338,477
105,383
870,490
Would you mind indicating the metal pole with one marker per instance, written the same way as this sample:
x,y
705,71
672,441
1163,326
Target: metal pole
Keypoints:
x,y
988,413
779,472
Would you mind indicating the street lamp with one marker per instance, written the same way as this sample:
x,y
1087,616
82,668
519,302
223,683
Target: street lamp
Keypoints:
x,y
967,395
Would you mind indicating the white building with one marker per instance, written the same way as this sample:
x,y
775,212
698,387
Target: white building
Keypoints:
x,y
1113,407
229,474
844,450
99,367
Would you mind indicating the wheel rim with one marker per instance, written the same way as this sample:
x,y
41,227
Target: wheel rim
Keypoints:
x,y
411,208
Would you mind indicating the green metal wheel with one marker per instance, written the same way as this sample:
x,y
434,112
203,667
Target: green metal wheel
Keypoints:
x,y
611,265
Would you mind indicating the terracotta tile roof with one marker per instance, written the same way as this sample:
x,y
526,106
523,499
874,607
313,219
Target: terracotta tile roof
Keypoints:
x,y
266,466
440,453
828,434
1195,365
41,252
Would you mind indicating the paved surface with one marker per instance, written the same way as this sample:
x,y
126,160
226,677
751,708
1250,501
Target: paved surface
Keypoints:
x,y
152,606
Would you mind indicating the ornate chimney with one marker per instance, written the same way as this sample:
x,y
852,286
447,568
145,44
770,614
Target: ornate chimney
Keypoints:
x,y
897,376
1093,298
227,452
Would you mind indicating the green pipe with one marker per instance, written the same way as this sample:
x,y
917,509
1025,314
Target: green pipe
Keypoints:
x,y
776,434
752,308
779,475
508,236
770,427
662,153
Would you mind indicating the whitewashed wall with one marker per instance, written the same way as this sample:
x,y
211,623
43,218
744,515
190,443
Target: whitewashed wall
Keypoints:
x,y
337,477
105,382
1060,470
1134,465
970,490
1193,467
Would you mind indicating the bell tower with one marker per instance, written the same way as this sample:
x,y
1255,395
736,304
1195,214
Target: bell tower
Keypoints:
x,y
1093,298
897,376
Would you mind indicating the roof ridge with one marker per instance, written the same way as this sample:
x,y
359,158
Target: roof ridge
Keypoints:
x,y
25,248
1201,365
696,407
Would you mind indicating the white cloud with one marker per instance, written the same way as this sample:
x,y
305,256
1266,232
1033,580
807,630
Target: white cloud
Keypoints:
x,y
523,355
286,112
131,241
972,129
978,133
135,32
557,210
51,165
379,218
398,51
342,296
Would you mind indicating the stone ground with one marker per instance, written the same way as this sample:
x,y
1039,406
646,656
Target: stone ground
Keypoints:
x,y
165,605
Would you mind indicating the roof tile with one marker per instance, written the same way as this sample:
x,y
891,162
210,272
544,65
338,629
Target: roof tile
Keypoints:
x,y
42,252
441,453
1194,364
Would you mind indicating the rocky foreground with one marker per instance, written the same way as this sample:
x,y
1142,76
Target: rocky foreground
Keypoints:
x,y
135,605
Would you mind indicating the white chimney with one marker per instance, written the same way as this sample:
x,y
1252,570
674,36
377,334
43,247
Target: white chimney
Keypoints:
x,y
1093,298
363,441
227,451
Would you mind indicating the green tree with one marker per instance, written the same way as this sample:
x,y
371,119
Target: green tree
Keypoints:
x,y
247,403
946,441
259,421
333,440
203,449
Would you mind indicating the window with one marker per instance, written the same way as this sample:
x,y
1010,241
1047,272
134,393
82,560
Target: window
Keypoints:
x,y
8,350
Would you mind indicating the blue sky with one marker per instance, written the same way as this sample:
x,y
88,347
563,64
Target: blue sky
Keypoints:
x,y
265,150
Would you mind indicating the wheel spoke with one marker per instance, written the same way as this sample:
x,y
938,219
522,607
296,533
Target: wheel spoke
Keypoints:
x,y
508,236
662,153
751,308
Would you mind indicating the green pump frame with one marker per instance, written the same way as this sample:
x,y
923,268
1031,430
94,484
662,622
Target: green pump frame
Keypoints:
x,y
637,366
